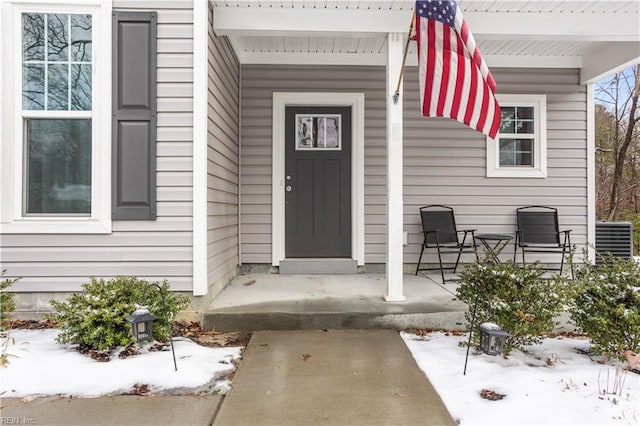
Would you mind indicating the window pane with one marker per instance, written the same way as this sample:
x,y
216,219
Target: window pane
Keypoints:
x,y
58,94
33,87
58,37
524,113
507,149
524,145
508,113
507,125
524,159
524,127
516,152
32,37
81,87
58,166
81,38
507,145
506,158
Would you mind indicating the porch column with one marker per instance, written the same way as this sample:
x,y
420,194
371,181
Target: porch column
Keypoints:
x,y
395,46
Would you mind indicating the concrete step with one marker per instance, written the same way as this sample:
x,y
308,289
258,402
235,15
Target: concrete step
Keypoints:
x,y
318,266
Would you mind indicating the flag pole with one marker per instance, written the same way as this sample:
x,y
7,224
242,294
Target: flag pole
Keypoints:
x,y
396,95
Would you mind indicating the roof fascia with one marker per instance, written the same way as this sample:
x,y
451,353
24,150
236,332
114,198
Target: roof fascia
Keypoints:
x,y
541,26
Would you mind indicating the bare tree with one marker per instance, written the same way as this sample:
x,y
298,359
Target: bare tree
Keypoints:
x,y
617,139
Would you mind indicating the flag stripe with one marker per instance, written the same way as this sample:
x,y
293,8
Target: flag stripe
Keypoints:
x,y
446,63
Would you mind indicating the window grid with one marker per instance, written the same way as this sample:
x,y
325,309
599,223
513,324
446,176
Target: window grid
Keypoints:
x,y
523,117
45,62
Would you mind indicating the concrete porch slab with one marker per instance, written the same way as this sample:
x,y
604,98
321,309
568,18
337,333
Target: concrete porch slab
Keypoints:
x,y
256,302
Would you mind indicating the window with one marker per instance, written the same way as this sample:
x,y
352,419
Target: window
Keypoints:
x,y
520,148
56,77
57,118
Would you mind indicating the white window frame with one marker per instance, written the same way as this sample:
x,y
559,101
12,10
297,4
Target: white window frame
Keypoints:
x,y
12,217
539,169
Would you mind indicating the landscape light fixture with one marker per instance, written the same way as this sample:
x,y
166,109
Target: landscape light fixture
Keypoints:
x,y
492,338
142,321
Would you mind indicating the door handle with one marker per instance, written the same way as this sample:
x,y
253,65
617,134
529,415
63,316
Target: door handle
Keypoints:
x,y
288,188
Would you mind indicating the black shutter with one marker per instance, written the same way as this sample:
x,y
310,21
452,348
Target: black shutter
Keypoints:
x,y
134,112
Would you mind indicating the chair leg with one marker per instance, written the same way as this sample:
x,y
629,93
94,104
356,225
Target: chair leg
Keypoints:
x,y
440,258
441,268
420,259
455,268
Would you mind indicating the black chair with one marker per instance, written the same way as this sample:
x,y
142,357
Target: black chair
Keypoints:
x,y
440,232
538,232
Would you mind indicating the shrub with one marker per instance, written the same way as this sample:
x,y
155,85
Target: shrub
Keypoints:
x,y
607,306
95,317
7,304
516,298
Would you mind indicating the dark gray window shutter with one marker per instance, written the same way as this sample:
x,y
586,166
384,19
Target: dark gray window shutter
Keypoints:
x,y
134,111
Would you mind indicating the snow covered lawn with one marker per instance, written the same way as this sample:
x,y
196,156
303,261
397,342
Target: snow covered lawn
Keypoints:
x,y
552,385
40,366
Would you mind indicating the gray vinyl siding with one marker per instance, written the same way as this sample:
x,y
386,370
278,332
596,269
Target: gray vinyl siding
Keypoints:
x,y
223,159
444,161
153,250
448,166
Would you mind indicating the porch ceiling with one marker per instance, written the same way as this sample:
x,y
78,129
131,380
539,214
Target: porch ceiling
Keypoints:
x,y
596,36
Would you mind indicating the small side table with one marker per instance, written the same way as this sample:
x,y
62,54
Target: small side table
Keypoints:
x,y
494,244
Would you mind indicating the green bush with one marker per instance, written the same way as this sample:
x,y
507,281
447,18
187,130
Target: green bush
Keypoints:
x,y
95,317
516,298
7,304
607,306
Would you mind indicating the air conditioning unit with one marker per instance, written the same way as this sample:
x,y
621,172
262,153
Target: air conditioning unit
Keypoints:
x,y
613,239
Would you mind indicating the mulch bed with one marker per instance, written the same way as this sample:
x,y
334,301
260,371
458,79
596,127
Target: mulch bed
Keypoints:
x,y
212,339
33,324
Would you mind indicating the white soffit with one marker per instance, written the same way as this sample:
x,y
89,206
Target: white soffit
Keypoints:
x,y
353,32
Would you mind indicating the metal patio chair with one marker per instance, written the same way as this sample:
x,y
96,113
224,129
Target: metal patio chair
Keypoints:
x,y
440,232
538,232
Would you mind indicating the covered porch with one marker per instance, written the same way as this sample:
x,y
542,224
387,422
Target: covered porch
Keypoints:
x,y
346,53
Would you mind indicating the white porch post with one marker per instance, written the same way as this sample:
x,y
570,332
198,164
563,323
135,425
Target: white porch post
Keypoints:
x,y
394,171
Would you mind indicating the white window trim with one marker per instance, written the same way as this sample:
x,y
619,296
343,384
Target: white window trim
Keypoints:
x,y
539,103
12,219
280,101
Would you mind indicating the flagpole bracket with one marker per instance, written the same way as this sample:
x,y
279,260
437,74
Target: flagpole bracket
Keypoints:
x,y
396,96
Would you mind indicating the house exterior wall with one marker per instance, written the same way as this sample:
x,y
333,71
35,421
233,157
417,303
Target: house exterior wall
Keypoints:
x,y
223,162
154,250
444,161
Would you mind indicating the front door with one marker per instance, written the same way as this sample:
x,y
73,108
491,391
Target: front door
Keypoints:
x,y
318,182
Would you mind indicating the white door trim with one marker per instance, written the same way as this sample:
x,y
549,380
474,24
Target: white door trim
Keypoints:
x,y
280,101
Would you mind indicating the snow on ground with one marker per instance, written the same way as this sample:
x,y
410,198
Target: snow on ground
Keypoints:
x,y
40,366
573,391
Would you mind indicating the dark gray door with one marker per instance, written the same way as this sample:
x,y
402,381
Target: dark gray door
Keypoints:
x,y
318,182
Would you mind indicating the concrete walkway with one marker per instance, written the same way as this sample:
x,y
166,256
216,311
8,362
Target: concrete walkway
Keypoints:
x,y
338,377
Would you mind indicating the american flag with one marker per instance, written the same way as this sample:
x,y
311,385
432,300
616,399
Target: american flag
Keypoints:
x,y
455,82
